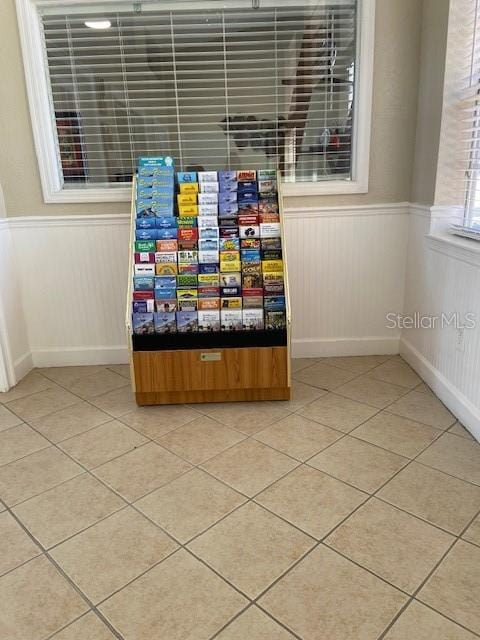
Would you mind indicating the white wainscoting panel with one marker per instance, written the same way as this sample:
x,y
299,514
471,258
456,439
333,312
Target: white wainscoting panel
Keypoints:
x,y
346,272
15,357
444,279
73,272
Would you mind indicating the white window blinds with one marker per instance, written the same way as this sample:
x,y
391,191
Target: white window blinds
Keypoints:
x,y
248,85
465,34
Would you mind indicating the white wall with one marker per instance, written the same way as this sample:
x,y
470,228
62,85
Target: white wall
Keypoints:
x,y
15,359
444,278
73,272
346,266
346,270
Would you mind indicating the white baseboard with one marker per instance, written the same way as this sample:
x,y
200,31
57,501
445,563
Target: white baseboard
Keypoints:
x,y
329,347
22,366
452,398
78,356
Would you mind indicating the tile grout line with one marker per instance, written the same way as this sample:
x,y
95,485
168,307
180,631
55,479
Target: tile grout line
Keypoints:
x,y
180,545
248,498
321,541
55,633
435,567
203,462
59,569
443,615
253,605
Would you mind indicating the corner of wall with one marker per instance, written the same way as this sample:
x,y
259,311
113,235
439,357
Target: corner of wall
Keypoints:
x,y
15,356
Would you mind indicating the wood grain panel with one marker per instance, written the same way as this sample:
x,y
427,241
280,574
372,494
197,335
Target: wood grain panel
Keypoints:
x,y
163,371
220,395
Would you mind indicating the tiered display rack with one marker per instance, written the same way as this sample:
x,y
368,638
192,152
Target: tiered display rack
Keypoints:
x,y
223,366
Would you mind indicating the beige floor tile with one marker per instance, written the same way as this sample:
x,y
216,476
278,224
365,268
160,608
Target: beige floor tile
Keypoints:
x,y
459,430
121,369
311,500
355,364
400,435
454,587
200,440
31,383
96,384
300,363
37,601
418,622
301,395
155,422
370,391
17,547
181,598
327,597
117,403
358,463
298,437
248,417
97,446
251,548
249,466
88,627
103,558
67,376
472,534
338,412
8,419
396,371
190,504
142,470
429,494
423,388
425,408
396,546
34,474
66,509
253,624
42,403
457,456
71,421
19,442
324,376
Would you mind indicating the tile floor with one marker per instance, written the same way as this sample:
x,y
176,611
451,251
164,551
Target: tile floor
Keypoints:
x,y
349,513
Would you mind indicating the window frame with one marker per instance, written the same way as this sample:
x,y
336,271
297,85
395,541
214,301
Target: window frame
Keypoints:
x,y
471,173
44,130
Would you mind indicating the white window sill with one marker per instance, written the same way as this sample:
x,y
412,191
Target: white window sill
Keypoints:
x,y
124,194
455,247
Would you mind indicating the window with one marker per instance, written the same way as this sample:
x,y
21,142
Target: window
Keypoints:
x,y
470,112
243,83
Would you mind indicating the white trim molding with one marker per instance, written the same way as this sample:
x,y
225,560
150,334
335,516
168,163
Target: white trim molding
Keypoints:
x,y
355,346
45,135
456,248
358,210
78,356
94,220
440,239
452,398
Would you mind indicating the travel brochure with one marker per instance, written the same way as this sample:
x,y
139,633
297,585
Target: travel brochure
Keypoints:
x,y
208,253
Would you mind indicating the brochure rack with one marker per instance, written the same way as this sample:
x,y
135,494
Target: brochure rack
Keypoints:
x,y
224,366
